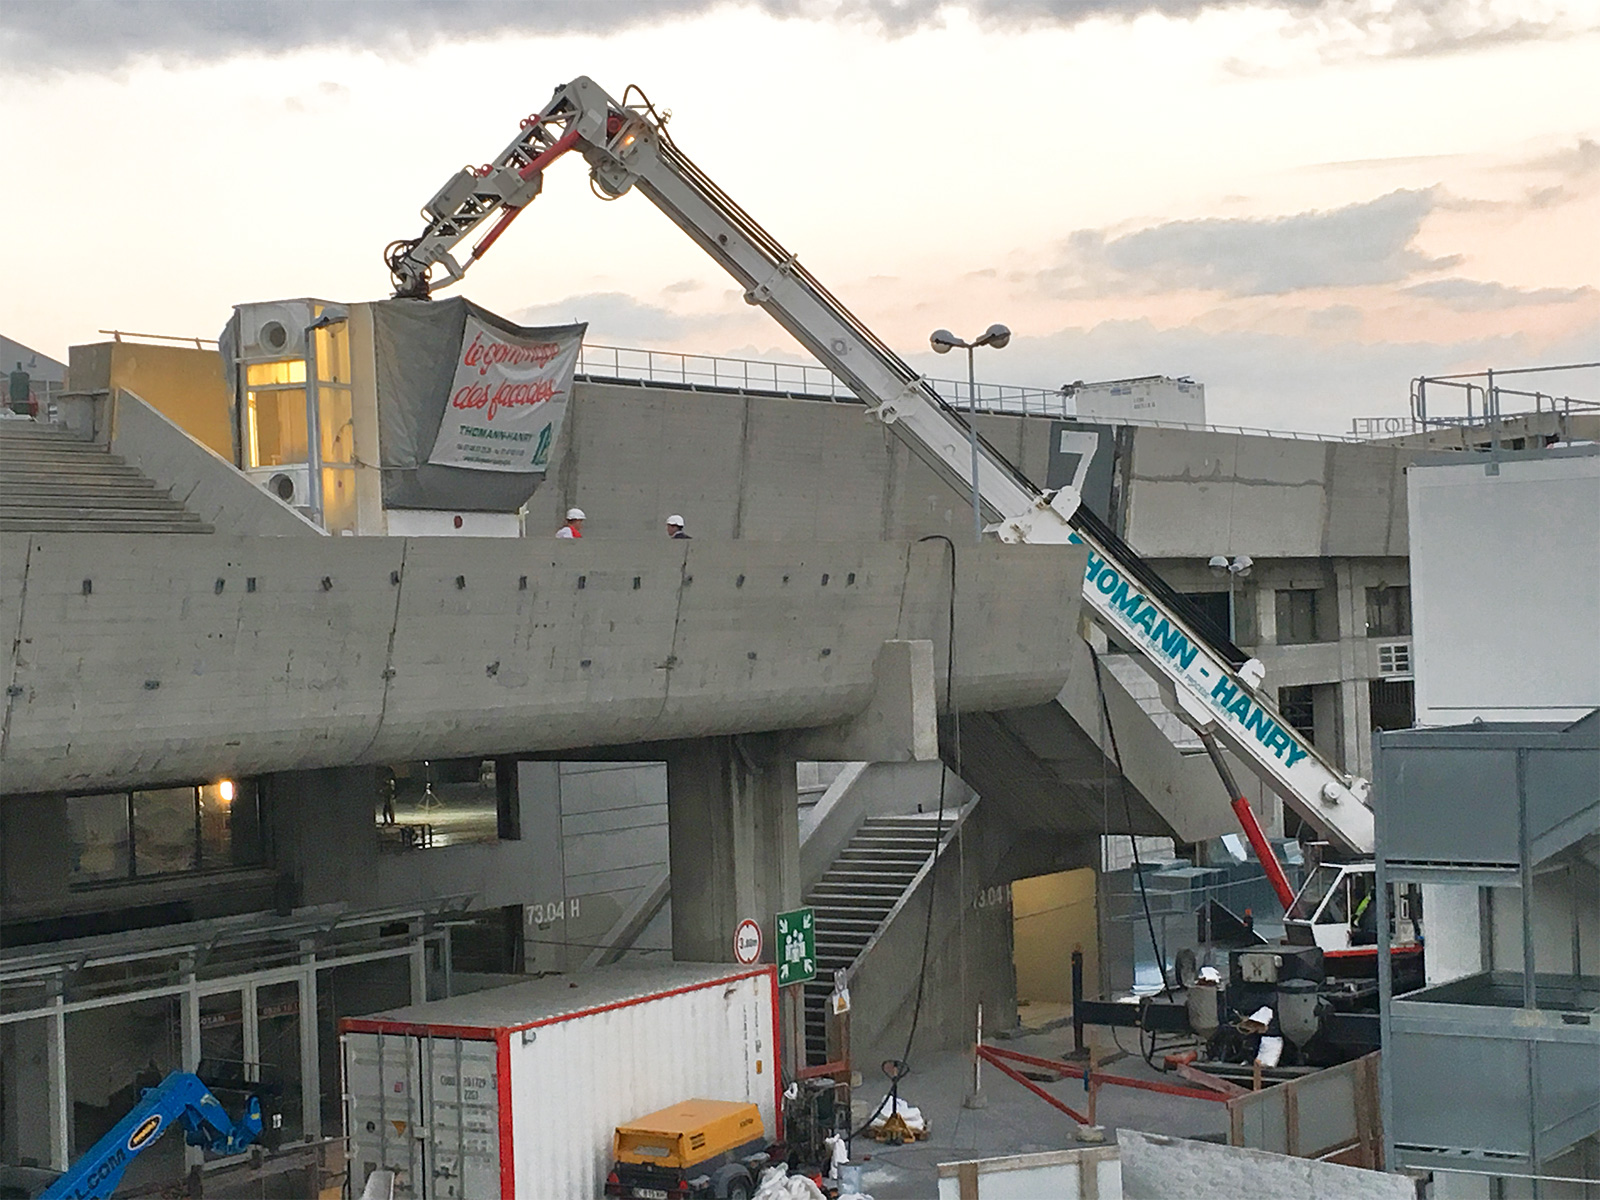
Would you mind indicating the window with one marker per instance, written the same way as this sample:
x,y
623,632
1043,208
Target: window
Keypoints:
x,y
1394,658
446,802
1388,611
163,831
1393,703
276,426
1313,892
1297,616
102,843
1298,706
1212,610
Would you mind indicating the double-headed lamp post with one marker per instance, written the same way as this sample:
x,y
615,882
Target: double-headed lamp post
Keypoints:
x,y
1237,568
943,341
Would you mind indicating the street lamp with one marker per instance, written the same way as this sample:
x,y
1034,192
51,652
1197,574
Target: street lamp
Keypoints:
x,y
943,341
1237,568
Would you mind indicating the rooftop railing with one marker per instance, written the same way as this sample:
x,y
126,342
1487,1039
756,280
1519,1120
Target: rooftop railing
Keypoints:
x,y
808,381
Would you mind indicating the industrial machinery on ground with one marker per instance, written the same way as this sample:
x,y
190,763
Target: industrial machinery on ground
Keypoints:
x,y
717,1148
179,1099
1211,684
712,1148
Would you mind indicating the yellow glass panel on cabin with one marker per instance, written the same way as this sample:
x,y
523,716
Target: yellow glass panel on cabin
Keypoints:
x,y
289,370
333,353
277,426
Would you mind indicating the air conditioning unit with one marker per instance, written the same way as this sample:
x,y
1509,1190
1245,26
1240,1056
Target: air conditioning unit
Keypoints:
x,y
1394,660
276,330
291,484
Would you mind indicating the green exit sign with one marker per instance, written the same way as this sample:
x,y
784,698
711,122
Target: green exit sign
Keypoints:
x,y
796,946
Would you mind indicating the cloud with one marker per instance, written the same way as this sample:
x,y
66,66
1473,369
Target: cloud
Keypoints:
x,y
1575,162
97,34
1474,295
1576,167
1360,244
616,318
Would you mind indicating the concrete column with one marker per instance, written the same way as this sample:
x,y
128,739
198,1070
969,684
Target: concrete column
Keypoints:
x,y
733,844
733,830
1355,701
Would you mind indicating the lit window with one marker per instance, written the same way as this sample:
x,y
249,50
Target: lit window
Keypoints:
x,y
292,370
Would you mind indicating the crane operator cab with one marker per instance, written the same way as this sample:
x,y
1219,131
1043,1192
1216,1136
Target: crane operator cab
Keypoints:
x,y
1336,910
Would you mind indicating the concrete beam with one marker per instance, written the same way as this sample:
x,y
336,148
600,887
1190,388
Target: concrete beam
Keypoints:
x,y
141,660
900,722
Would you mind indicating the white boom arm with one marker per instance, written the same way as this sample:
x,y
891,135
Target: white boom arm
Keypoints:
x,y
629,147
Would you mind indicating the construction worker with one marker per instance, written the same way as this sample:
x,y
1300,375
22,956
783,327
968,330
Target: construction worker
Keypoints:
x,y
1364,921
574,526
675,527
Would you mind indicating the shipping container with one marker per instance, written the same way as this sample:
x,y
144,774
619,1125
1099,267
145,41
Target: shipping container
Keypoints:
x,y
516,1091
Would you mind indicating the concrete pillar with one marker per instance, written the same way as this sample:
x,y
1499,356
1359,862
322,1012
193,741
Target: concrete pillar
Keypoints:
x,y
733,844
733,830
30,1071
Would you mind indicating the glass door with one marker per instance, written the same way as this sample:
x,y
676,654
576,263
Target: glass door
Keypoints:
x,y
276,1071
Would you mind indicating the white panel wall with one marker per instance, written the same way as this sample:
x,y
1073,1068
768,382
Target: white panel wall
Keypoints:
x,y
574,1082
1505,587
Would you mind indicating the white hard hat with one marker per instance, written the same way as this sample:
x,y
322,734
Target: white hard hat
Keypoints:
x,y
575,514
675,519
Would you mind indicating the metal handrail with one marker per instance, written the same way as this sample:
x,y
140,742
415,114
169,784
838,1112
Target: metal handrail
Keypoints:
x,y
810,381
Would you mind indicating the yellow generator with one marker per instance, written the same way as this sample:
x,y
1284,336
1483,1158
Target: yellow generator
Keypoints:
x,y
697,1148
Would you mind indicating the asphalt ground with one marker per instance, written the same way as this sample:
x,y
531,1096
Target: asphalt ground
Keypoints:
x,y
1014,1120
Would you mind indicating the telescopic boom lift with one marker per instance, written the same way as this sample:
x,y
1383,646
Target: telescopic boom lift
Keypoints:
x,y
180,1099
1209,683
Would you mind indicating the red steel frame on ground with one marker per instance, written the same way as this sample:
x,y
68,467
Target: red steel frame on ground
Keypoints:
x,y
1000,1060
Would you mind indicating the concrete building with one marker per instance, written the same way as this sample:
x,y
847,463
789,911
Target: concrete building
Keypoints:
x,y
452,760
268,770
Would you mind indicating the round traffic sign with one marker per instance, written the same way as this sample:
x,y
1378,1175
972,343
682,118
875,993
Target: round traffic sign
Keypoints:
x,y
747,942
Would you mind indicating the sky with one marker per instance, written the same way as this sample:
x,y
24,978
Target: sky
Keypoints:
x,y
1301,204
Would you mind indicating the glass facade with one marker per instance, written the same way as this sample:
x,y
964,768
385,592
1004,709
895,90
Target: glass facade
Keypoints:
x,y
164,831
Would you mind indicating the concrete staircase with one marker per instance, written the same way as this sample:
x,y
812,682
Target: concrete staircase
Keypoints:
x,y
856,898
1146,692
54,482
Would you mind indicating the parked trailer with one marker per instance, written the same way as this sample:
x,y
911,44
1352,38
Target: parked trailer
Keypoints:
x,y
517,1091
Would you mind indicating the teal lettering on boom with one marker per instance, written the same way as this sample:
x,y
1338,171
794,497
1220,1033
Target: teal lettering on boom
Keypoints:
x,y
1254,719
1139,612
1171,641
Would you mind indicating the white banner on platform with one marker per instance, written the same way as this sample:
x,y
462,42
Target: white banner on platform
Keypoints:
x,y
507,400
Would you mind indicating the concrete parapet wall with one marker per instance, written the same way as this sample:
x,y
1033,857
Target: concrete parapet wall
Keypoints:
x,y
208,486
770,468
1193,492
166,658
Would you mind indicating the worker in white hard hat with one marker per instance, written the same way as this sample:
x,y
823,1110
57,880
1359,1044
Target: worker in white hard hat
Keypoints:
x,y
574,526
675,527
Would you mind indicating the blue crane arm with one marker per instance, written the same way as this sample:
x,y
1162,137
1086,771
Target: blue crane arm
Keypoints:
x,y
179,1099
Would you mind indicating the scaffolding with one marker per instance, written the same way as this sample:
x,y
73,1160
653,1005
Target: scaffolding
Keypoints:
x,y
1494,807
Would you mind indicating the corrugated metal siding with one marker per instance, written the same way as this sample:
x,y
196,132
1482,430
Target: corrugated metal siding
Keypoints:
x,y
428,1109
384,1104
574,1081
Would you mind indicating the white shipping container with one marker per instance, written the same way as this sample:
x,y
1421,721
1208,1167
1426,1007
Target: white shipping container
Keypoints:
x,y
516,1091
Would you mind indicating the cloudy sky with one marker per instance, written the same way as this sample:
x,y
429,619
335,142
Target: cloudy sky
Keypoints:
x,y
1302,204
